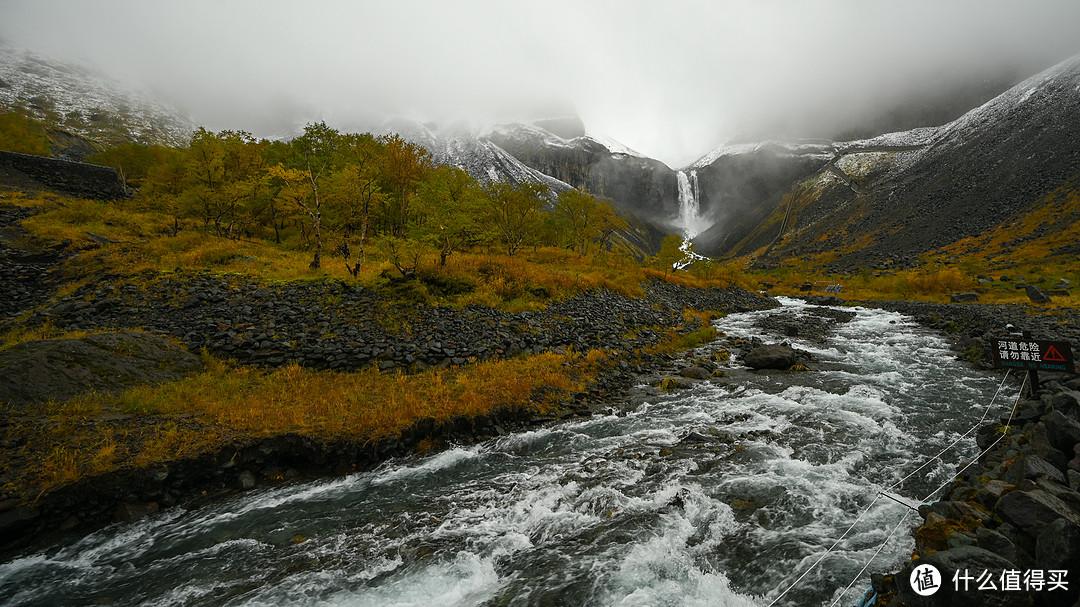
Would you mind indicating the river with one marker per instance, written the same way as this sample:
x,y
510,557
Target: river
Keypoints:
x,y
723,494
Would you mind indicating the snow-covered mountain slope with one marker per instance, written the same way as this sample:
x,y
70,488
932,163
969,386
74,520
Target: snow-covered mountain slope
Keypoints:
x,y
938,185
465,147
640,185
86,102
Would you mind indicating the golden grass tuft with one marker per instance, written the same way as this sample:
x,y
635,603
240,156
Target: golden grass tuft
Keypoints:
x,y
149,425
19,334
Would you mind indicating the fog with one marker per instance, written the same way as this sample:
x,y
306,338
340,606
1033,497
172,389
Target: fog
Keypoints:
x,y
669,79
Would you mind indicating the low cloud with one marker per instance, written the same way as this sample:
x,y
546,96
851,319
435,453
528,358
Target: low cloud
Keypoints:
x,y
671,80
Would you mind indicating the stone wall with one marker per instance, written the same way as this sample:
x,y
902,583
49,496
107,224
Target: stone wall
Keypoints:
x,y
63,176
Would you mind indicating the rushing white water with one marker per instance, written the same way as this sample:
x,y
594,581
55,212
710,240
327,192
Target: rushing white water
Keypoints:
x,y
720,495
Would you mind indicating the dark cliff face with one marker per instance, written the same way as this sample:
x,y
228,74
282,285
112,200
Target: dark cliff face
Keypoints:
x,y
643,186
999,160
739,189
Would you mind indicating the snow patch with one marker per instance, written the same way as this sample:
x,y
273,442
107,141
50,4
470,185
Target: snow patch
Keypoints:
x,y
83,98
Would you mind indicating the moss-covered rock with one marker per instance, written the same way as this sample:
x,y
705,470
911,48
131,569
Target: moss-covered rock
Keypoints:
x,y
61,369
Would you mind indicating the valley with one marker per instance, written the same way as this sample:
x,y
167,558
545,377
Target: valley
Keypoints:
x,y
515,363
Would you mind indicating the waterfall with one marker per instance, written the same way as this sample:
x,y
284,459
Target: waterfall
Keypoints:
x,y
692,223
688,204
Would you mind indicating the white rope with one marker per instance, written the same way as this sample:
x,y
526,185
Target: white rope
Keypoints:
x,y
822,557
1012,413
957,441
901,481
872,557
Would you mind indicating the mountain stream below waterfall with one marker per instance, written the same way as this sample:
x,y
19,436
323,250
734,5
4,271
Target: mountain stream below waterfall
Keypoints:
x,y
722,494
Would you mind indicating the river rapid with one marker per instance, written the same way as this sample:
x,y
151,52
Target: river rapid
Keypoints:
x,y
723,494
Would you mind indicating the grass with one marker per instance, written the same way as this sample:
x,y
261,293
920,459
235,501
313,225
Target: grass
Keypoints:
x,y
1038,245
60,443
143,240
19,334
149,425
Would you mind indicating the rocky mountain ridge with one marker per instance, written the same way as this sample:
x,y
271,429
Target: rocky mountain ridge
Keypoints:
x,y
895,195
87,103
903,194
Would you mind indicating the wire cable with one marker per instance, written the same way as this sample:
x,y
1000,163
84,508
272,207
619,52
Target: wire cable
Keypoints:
x,y
901,481
1012,414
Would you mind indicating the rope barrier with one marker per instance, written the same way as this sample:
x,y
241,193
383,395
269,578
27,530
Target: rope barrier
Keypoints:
x,y
900,482
1012,414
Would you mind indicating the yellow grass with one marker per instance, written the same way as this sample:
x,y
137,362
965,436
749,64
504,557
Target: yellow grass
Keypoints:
x,y
144,241
19,334
157,424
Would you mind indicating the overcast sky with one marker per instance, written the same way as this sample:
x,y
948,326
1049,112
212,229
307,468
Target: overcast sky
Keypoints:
x,y
670,79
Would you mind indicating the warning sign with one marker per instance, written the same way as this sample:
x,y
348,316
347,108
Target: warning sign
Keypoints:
x,y
1033,354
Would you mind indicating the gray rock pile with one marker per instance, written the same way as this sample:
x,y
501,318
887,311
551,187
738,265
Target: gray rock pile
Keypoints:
x,y
339,325
1017,509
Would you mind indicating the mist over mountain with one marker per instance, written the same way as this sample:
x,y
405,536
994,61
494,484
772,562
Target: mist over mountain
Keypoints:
x,y
671,81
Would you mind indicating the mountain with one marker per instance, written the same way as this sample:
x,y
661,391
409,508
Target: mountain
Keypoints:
x,y
888,199
737,186
464,146
85,105
558,153
638,184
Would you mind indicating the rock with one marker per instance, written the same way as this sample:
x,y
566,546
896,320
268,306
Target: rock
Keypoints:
x,y
695,373
1035,295
1062,432
1033,511
1031,467
770,357
960,509
60,369
129,513
825,300
1067,402
1042,447
246,480
948,563
997,543
963,297
991,492
956,540
1058,546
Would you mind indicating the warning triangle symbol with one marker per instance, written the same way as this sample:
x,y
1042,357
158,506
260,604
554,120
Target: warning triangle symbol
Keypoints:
x,y
1052,354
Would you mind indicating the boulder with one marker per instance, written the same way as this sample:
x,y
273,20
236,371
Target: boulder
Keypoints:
x,y
695,373
825,300
1062,432
963,297
974,561
1035,295
1033,511
997,543
60,369
1031,467
771,357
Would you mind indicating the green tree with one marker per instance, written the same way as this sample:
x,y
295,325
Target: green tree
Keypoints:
x,y
404,166
224,176
313,156
670,253
134,161
353,193
587,219
451,210
515,211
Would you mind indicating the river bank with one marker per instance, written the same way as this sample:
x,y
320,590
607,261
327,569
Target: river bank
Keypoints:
x,y
1011,520
334,326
